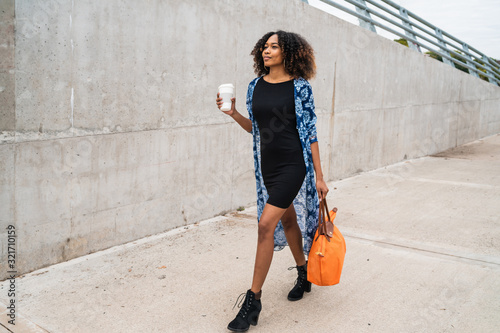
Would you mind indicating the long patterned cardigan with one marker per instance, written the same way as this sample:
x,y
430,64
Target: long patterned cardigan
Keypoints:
x,y
306,203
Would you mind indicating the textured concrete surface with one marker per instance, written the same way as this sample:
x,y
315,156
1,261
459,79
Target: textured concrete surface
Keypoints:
x,y
109,131
7,73
423,255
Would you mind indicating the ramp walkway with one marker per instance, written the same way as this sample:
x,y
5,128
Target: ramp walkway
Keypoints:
x,y
423,255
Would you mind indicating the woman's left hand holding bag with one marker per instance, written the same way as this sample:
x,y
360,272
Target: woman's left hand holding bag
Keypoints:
x,y
321,188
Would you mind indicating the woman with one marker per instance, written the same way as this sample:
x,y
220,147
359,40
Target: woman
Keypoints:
x,y
286,155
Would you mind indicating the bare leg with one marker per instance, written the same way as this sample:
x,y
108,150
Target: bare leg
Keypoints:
x,y
269,219
293,235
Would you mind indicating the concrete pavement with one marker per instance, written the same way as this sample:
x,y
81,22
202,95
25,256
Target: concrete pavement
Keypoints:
x,y
98,124
423,255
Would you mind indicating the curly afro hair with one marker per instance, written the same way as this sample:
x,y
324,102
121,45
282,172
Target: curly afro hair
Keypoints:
x,y
298,55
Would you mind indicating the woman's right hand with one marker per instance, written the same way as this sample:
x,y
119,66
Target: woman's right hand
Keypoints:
x,y
218,101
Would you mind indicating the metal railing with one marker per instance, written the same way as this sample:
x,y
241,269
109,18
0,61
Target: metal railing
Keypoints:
x,y
452,50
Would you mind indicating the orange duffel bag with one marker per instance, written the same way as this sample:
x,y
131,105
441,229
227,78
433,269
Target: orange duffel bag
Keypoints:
x,y
327,253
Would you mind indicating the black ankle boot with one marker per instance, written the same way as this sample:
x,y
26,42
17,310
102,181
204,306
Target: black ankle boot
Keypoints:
x,y
301,284
249,313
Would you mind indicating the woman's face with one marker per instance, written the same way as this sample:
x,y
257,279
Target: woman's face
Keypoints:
x,y
271,53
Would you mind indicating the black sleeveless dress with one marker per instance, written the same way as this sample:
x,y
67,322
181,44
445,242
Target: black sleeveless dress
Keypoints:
x,y
282,162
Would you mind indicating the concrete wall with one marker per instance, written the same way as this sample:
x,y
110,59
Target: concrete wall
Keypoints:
x,y
109,129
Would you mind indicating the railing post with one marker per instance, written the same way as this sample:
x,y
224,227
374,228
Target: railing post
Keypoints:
x,y
490,71
407,24
362,23
465,47
444,48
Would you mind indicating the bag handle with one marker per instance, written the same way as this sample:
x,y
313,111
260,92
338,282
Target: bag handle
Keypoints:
x,y
326,210
322,219
325,228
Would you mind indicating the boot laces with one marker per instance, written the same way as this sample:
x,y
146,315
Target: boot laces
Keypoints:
x,y
301,275
245,307
239,300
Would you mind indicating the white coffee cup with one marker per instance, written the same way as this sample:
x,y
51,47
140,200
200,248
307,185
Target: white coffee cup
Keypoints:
x,y
226,92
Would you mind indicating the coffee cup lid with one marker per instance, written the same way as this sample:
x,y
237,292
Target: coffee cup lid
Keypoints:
x,y
226,85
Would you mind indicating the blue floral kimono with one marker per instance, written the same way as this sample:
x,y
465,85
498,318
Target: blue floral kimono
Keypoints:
x,y
306,203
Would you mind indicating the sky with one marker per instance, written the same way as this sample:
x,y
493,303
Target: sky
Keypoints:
x,y
475,22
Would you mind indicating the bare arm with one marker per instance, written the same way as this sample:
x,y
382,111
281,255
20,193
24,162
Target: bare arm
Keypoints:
x,y
320,182
244,122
